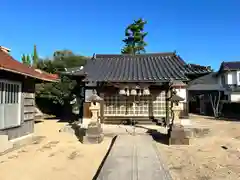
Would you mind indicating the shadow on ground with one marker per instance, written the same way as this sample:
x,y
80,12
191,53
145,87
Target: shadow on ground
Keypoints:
x,y
63,119
226,117
230,118
156,135
78,131
38,121
104,159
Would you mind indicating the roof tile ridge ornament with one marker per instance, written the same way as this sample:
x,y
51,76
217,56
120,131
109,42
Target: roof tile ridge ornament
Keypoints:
x,y
5,49
38,70
94,56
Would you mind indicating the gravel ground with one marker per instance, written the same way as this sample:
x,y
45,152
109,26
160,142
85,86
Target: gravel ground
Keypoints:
x,y
55,156
213,157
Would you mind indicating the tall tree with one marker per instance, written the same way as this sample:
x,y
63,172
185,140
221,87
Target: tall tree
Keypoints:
x,y
35,56
28,60
134,40
61,54
24,61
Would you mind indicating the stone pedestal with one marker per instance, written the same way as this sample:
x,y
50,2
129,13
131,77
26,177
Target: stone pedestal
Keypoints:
x,y
94,134
178,136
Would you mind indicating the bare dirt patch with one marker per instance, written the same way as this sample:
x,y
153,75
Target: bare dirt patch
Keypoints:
x,y
213,157
56,156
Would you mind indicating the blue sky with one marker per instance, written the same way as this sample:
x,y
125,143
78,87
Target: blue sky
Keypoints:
x,y
205,32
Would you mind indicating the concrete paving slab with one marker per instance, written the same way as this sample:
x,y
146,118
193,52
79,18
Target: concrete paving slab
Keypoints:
x,y
133,158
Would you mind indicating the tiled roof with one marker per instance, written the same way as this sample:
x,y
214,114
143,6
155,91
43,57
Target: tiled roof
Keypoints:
x,y
208,82
7,63
158,67
210,78
234,65
200,68
76,71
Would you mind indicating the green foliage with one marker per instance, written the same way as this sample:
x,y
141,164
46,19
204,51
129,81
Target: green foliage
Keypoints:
x,y
59,93
59,62
46,65
26,59
134,40
60,54
34,56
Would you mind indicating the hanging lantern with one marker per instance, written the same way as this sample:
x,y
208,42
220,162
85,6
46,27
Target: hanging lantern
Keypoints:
x,y
133,92
146,92
139,92
127,92
122,92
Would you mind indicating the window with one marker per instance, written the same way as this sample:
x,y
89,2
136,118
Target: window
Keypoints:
x,y
10,106
115,105
1,92
159,105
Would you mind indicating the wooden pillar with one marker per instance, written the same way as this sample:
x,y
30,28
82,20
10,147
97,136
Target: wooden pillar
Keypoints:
x,y
167,105
101,94
102,108
187,103
81,96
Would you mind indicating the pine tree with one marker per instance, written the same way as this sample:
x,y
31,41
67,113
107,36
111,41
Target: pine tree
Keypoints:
x,y
134,41
34,56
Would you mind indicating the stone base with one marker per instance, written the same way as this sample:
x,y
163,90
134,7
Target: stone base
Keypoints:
x,y
179,141
186,122
178,136
92,139
94,134
5,144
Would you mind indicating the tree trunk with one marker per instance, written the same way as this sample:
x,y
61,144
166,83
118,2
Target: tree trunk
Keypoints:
x,y
215,101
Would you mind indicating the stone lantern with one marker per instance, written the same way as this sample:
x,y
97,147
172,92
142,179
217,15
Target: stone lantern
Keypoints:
x,y
95,107
177,107
94,132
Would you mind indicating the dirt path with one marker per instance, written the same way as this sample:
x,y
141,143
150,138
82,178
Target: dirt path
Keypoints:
x,y
56,156
214,157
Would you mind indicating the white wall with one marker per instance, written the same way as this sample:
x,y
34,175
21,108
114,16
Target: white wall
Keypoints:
x,y
88,93
235,97
237,78
182,93
230,76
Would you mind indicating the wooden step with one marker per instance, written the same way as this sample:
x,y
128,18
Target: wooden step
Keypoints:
x,y
118,120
